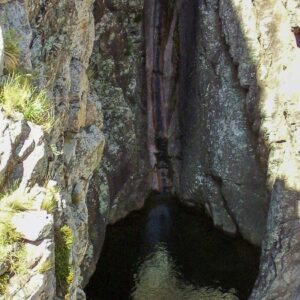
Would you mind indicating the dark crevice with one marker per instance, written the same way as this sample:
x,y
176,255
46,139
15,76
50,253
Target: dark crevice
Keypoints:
x,y
296,32
160,33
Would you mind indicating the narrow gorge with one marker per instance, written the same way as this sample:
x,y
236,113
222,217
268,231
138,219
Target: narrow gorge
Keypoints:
x,y
149,149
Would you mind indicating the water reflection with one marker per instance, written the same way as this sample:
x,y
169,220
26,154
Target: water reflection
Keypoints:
x,y
166,252
157,278
158,225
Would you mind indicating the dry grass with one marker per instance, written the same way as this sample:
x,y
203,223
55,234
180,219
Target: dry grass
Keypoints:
x,y
18,94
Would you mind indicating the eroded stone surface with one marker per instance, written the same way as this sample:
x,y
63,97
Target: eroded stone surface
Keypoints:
x,y
117,67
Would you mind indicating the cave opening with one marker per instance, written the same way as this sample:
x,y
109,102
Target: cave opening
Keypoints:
x,y
169,251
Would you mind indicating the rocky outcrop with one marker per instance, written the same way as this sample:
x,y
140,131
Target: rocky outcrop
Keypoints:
x,y
23,160
280,98
120,183
55,40
220,169
240,104
117,79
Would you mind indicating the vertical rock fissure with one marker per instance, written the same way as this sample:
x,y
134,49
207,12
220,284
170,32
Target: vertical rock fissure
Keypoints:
x,y
160,28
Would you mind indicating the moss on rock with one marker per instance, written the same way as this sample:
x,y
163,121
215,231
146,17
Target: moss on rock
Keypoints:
x,y
63,268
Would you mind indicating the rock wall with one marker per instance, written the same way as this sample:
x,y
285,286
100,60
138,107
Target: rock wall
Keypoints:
x,y
240,109
220,169
117,68
121,183
280,98
55,40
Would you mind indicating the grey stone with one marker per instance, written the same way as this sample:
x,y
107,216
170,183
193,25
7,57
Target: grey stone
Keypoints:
x,y
33,225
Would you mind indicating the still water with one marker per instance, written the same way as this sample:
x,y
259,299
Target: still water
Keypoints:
x,y
168,252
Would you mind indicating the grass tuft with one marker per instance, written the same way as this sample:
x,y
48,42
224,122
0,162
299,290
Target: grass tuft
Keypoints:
x,y
50,200
14,201
18,94
45,267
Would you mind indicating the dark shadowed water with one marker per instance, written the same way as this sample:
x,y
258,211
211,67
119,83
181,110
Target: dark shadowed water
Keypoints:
x,y
168,252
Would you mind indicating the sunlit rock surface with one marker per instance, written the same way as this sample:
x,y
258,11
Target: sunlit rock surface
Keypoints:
x,y
55,40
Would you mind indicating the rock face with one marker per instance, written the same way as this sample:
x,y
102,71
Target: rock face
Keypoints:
x,y
55,41
24,158
220,169
161,88
240,126
117,78
280,98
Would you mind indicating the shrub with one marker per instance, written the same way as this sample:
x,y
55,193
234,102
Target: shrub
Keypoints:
x,y
63,269
18,94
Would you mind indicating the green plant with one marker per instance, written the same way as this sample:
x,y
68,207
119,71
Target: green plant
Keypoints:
x,y
8,234
13,201
18,94
4,279
45,267
50,200
11,51
63,269
12,253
